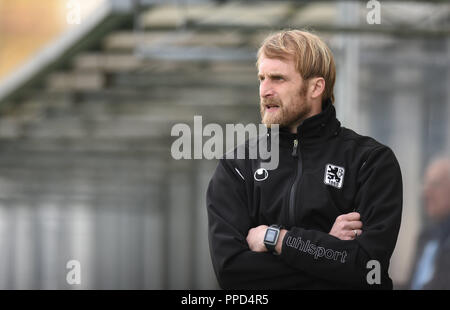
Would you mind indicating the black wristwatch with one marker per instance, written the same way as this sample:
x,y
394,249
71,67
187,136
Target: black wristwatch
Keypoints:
x,y
271,237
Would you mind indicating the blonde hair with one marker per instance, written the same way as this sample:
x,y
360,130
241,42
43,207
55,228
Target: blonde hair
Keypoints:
x,y
311,55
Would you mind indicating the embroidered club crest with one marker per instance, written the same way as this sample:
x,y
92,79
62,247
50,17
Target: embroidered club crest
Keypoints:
x,y
334,175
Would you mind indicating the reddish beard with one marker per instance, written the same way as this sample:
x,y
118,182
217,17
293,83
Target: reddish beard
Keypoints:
x,y
286,115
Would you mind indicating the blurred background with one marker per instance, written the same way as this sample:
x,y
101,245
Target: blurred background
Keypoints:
x,y
89,92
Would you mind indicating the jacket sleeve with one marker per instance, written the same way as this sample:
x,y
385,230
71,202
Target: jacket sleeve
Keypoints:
x,y
379,201
235,265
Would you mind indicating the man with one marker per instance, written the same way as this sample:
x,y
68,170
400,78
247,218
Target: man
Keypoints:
x,y
432,268
336,195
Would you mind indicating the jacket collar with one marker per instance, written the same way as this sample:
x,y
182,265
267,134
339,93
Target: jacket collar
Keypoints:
x,y
316,128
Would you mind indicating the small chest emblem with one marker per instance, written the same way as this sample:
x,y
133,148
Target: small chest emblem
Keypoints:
x,y
261,174
334,175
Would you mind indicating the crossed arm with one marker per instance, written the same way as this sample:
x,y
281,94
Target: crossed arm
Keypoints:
x,y
346,227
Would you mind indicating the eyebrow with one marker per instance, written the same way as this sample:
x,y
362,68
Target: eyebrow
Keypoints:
x,y
272,75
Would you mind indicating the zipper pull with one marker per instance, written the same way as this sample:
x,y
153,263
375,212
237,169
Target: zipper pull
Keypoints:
x,y
294,149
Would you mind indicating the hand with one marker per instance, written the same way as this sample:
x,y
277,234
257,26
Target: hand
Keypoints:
x,y
255,238
347,226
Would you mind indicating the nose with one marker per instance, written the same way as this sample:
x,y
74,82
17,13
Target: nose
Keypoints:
x,y
265,89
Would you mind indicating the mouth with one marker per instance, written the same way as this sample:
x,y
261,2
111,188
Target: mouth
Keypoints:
x,y
271,107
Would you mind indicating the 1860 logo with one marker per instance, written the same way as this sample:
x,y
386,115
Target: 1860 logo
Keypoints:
x,y
334,175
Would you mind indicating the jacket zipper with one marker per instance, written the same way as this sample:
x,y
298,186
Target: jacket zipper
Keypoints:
x,y
294,148
295,153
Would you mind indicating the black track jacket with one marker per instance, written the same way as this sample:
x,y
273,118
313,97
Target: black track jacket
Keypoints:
x,y
329,171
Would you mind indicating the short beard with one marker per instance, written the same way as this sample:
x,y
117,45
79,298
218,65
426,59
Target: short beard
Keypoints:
x,y
287,116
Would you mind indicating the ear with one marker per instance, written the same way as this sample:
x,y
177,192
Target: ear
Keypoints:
x,y
316,87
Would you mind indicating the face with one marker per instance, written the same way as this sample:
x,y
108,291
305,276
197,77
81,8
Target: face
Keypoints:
x,y
437,191
283,93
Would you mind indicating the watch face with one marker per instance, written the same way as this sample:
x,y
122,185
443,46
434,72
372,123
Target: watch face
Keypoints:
x,y
270,235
